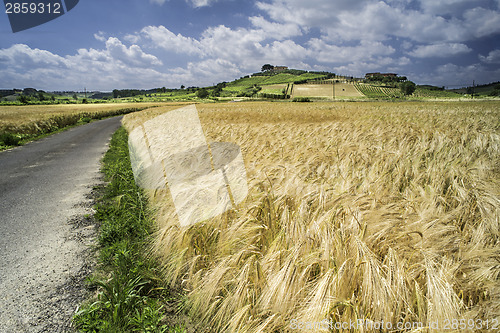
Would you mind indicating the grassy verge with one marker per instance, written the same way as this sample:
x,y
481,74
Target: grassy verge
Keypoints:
x,y
11,136
129,295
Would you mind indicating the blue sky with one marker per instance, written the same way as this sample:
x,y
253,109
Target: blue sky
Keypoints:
x,y
103,45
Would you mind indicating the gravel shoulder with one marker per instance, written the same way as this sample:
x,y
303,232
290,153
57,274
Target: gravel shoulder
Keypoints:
x,y
45,226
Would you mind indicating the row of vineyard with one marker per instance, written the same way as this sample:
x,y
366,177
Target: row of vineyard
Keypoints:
x,y
392,92
377,91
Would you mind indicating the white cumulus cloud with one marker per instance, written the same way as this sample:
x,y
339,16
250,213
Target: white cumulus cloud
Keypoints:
x,y
492,58
380,20
194,3
133,55
365,50
22,56
246,47
275,30
116,65
201,3
441,50
166,39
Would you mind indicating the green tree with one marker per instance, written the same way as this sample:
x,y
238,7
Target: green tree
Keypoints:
x,y
495,91
267,67
218,89
202,93
408,88
75,96
23,99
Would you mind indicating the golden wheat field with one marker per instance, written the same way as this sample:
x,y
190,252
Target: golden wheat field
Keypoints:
x,y
386,212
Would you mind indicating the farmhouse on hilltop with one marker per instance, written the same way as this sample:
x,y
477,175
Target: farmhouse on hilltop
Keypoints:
x,y
376,74
279,68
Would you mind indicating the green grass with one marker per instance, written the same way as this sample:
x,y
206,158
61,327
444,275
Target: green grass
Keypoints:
x,y
427,92
9,139
272,91
130,295
171,96
174,95
301,99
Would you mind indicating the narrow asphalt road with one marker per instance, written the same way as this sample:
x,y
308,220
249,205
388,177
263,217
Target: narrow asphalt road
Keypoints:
x,y
45,191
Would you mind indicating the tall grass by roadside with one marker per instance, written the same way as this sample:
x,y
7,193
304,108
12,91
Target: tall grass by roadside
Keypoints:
x,y
20,124
376,211
13,133
129,294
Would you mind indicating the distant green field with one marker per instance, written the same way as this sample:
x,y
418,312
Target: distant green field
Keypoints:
x,y
423,91
281,78
274,88
492,89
